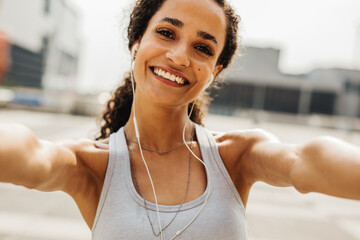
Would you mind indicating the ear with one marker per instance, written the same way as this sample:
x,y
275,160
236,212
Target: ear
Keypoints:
x,y
217,70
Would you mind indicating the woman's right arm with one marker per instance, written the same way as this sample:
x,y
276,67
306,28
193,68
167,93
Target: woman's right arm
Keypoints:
x,y
33,163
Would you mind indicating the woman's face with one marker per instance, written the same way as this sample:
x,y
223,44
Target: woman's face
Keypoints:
x,y
178,52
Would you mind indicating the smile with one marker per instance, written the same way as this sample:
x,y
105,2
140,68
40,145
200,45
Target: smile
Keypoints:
x,y
169,76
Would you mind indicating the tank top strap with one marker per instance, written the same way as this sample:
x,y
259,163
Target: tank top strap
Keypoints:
x,y
121,213
118,152
210,151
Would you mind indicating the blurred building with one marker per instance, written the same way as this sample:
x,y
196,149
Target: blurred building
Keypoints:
x,y
45,48
357,47
254,82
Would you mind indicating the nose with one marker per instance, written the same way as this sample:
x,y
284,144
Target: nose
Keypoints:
x,y
178,54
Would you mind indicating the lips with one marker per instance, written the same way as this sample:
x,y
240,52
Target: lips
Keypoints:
x,y
169,75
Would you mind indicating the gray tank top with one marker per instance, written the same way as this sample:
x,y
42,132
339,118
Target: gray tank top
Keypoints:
x,y
121,212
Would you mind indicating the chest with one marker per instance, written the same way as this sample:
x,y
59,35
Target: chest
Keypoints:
x,y
216,221
125,215
177,179
214,203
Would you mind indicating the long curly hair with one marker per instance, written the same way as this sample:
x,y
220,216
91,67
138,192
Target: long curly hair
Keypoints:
x,y
118,108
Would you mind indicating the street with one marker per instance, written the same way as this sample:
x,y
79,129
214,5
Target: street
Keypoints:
x,y
272,213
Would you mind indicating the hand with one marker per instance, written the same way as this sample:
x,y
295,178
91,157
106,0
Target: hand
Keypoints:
x,y
4,55
102,144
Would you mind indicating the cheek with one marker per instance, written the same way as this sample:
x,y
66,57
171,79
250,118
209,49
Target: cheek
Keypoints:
x,y
151,46
146,54
203,71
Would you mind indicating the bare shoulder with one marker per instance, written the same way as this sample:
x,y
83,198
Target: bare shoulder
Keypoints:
x,y
90,155
234,148
233,144
85,178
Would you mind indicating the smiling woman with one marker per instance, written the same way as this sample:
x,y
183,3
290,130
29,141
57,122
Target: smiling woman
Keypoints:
x,y
120,104
155,171
177,51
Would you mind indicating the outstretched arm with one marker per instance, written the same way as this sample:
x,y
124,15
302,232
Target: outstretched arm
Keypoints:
x,y
33,163
326,165
75,167
329,165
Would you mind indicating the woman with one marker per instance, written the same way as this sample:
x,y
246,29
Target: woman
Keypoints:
x,y
4,55
143,182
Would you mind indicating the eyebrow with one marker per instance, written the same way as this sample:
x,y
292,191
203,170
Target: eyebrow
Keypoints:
x,y
207,36
173,21
177,23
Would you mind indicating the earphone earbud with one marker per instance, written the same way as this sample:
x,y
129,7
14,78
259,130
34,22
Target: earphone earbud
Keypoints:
x,y
133,52
211,79
134,49
132,65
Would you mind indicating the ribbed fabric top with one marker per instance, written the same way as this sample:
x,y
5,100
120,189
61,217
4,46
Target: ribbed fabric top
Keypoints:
x,y
121,211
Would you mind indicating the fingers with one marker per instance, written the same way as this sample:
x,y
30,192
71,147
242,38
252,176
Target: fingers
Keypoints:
x,y
102,144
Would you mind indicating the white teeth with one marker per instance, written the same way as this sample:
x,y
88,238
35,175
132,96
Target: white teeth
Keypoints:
x,y
169,76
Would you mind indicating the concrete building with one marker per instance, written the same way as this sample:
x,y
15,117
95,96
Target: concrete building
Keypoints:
x,y
357,47
254,82
45,48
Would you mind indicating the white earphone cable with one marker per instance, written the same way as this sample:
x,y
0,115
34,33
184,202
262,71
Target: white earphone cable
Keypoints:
x,y
207,173
139,143
146,166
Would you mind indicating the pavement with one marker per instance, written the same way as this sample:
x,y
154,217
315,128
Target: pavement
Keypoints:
x,y
273,213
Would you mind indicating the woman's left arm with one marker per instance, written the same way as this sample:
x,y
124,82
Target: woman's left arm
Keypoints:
x,y
326,164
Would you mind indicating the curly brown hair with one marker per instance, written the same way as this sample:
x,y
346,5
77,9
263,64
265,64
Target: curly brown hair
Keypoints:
x,y
118,108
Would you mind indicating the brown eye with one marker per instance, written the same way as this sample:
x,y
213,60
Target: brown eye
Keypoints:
x,y
165,33
205,49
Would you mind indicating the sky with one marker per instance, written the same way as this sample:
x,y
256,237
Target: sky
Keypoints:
x,y
310,34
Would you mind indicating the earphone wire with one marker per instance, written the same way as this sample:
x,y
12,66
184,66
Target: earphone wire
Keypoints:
x,y
139,143
146,166
207,173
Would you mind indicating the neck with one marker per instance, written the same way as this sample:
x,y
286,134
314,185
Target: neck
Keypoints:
x,y
159,127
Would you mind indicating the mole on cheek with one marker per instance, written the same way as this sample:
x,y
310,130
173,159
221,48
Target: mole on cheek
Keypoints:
x,y
199,69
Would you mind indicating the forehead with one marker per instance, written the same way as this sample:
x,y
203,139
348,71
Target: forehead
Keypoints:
x,y
201,15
